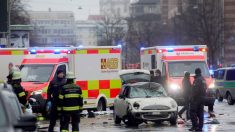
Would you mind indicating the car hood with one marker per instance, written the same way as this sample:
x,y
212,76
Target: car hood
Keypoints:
x,y
161,101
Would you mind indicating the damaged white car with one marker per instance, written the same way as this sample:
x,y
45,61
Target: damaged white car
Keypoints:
x,y
144,101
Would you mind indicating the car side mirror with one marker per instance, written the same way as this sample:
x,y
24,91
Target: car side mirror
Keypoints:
x,y
26,123
121,96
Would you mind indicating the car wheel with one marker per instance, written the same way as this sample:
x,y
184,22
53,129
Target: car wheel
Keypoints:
x,y
129,120
230,99
117,120
173,120
101,105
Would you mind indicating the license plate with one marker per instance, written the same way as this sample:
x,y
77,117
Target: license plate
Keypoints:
x,y
156,113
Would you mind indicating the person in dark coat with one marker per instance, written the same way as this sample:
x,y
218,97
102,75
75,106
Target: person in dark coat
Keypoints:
x,y
53,97
187,91
197,101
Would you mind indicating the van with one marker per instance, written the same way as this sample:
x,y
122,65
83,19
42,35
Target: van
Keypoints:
x,y
225,84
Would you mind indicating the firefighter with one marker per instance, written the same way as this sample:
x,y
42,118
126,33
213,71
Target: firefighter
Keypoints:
x,y
70,105
11,70
17,88
53,97
197,101
187,90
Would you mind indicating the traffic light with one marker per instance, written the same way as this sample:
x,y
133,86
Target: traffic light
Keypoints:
x,y
3,16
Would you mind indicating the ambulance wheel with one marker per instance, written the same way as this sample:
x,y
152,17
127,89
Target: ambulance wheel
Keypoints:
x,y
101,105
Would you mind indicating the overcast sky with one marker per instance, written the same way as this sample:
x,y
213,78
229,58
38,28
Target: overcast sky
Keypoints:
x,y
88,6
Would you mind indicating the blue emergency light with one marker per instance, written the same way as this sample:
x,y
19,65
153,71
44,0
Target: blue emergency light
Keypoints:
x,y
196,48
170,50
33,51
57,51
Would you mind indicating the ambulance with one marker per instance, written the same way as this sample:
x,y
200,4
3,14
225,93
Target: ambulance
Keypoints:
x,y
96,70
10,55
173,61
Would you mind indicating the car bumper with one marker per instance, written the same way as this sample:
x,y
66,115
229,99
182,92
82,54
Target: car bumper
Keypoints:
x,y
38,103
152,116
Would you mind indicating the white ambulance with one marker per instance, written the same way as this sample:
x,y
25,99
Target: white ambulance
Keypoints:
x,y
10,55
96,70
173,61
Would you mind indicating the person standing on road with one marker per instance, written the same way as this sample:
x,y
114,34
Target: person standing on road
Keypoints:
x,y
17,88
187,91
53,97
197,101
70,104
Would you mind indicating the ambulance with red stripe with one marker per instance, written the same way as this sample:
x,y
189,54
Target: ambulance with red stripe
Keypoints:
x,y
96,70
173,61
10,55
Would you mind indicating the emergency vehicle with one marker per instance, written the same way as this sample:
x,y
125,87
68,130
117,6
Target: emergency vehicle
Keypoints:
x,y
173,61
96,70
10,55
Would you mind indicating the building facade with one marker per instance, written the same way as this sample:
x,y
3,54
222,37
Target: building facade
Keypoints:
x,y
115,8
229,37
87,33
53,28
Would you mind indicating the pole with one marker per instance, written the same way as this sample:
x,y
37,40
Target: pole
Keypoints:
x,y
9,23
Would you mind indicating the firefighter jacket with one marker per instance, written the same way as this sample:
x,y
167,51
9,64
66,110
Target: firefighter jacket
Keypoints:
x,y
20,93
70,99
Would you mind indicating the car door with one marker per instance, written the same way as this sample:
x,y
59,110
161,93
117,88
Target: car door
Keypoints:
x,y
219,81
121,103
229,84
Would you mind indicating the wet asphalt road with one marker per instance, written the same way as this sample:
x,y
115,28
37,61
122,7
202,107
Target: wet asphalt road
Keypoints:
x,y
223,122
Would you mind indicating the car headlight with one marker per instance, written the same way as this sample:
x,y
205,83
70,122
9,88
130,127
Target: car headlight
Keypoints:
x,y
36,92
174,87
173,104
136,105
212,85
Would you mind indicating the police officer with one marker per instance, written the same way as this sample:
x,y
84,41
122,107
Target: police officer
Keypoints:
x,y
18,89
53,97
197,101
71,103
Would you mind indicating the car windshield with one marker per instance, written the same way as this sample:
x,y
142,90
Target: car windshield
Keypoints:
x,y
147,91
36,73
3,119
135,77
177,69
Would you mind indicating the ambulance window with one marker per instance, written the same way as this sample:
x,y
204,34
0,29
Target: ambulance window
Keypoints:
x,y
164,70
230,75
153,61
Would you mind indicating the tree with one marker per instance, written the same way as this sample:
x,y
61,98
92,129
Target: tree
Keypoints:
x,y
18,13
112,29
203,23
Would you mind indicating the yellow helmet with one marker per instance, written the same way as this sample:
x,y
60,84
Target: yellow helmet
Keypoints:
x,y
16,75
70,75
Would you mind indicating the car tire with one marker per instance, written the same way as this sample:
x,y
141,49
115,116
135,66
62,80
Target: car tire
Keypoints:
x,y
129,120
230,99
116,119
101,105
173,120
